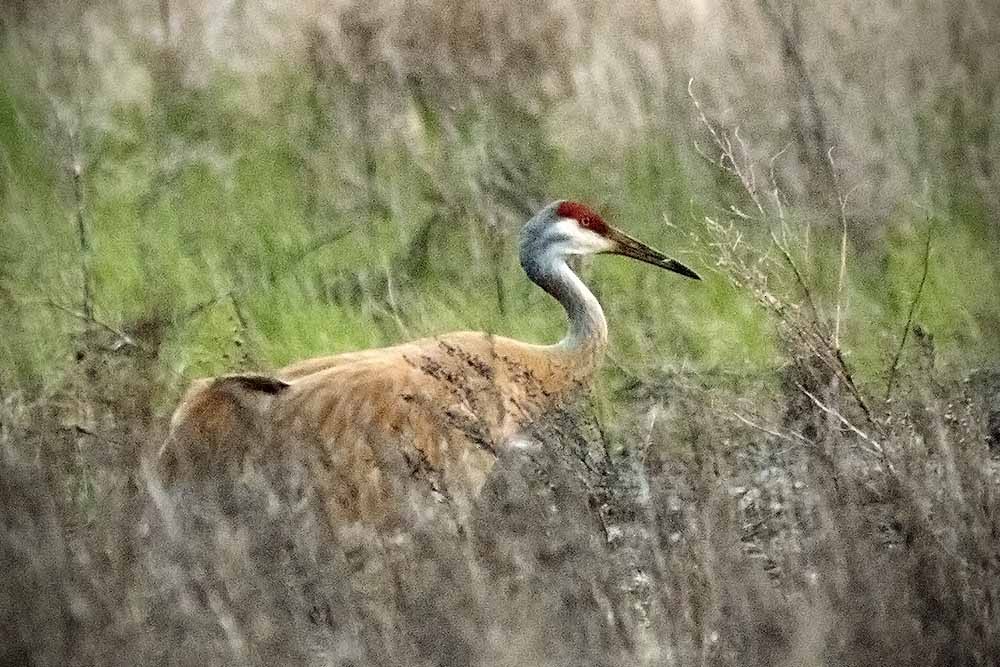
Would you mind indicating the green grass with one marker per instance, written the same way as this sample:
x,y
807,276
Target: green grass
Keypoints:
x,y
202,201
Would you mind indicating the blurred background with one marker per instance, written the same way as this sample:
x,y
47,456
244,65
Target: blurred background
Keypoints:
x,y
792,462
239,184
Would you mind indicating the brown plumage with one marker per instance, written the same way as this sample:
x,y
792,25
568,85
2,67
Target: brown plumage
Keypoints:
x,y
433,410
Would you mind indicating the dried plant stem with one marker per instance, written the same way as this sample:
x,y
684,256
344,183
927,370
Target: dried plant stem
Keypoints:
x,y
874,448
842,200
894,366
730,162
814,332
793,437
85,244
90,320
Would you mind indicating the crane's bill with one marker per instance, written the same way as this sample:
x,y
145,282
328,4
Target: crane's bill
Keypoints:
x,y
627,246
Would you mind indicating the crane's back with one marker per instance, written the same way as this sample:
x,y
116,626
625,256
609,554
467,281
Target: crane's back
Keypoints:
x,y
431,412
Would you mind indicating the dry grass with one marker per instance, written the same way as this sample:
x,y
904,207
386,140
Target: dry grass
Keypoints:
x,y
801,519
722,541
903,92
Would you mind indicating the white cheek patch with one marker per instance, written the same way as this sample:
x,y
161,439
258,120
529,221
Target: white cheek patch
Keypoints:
x,y
580,241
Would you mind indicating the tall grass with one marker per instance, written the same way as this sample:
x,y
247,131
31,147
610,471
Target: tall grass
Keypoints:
x,y
744,486
719,529
331,183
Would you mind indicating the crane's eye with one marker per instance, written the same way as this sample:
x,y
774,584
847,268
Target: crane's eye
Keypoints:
x,y
584,216
593,223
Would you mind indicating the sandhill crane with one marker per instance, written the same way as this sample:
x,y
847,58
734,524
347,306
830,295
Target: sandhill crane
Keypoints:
x,y
438,406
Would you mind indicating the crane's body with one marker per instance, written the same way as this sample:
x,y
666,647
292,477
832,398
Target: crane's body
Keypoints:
x,y
437,407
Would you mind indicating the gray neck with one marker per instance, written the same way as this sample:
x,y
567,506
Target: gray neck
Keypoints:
x,y
588,330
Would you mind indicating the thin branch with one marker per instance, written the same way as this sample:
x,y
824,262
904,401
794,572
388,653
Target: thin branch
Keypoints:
x,y
747,180
845,373
799,279
122,337
89,319
814,331
197,308
776,195
390,296
909,316
85,245
238,311
842,199
792,436
648,426
843,252
874,449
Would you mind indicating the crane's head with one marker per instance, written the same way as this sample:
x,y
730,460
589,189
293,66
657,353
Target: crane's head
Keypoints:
x,y
565,228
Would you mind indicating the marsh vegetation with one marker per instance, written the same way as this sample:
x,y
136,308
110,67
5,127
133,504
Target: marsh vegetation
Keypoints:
x,y
790,463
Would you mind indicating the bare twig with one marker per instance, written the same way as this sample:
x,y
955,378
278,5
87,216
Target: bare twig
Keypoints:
x,y
122,339
874,447
909,316
731,163
793,437
89,319
843,252
776,195
204,305
390,296
238,311
814,332
845,373
842,199
84,236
